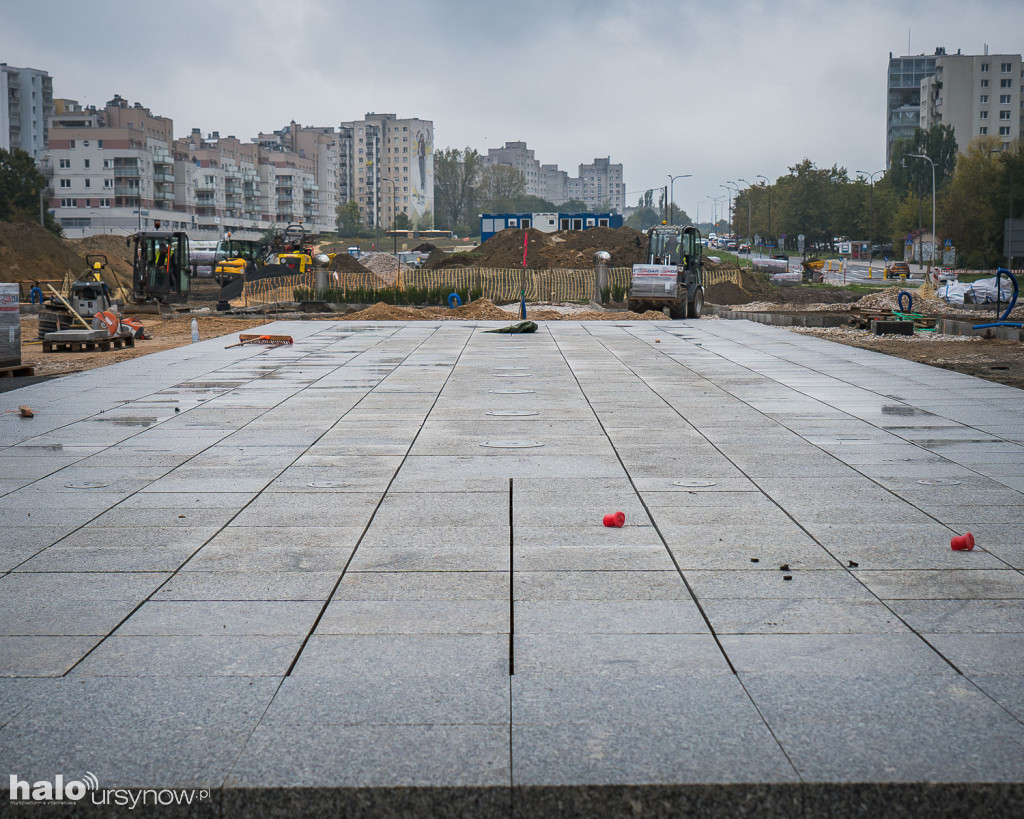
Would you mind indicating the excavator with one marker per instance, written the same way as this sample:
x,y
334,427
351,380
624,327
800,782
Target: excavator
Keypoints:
x,y
672,278
160,267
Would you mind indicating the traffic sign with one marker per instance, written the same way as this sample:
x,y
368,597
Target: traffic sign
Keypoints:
x,y
949,243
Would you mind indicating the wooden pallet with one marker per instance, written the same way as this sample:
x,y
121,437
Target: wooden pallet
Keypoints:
x,y
96,345
17,372
864,318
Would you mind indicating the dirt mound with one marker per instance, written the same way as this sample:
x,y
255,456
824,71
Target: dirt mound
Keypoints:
x,y
343,263
386,312
481,310
29,252
726,293
572,249
385,265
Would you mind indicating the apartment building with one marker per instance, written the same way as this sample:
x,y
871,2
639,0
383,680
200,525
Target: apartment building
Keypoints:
x,y
26,105
121,169
978,95
903,96
599,183
387,168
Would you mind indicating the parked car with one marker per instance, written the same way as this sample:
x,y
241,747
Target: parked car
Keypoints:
x,y
898,269
744,248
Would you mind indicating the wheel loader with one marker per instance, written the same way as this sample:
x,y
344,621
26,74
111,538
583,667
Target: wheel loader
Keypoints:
x,y
672,278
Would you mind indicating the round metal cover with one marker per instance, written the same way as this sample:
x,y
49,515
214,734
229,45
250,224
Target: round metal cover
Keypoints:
x,y
86,485
510,392
511,444
513,413
939,482
694,484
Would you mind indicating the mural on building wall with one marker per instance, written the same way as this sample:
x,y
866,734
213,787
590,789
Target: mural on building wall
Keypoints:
x,y
422,175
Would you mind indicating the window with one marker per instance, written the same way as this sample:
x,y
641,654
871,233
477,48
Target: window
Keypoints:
x,y
99,143
85,143
71,144
1004,115
984,83
87,181
982,131
87,163
1005,67
65,163
65,183
108,183
1007,83
108,163
104,203
1004,99
984,68
983,115
67,203
1004,130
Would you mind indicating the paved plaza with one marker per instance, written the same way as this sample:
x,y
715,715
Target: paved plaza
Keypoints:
x,y
368,573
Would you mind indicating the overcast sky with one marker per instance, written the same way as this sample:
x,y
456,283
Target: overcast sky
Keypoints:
x,y
721,91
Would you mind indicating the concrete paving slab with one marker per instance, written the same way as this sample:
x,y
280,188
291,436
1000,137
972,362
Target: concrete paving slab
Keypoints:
x,y
346,619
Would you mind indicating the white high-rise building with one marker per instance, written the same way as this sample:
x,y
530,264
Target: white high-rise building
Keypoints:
x,y
26,105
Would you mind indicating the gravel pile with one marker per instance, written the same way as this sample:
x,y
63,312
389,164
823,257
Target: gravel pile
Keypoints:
x,y
384,265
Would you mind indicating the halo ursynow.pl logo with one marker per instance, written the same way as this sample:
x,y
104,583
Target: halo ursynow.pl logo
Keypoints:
x,y
56,791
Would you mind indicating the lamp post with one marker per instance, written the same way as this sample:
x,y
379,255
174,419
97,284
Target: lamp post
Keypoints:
x,y
768,184
671,191
750,238
716,200
729,211
934,237
871,218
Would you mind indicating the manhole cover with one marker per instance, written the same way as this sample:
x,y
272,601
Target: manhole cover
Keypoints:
x,y
511,444
86,485
512,413
510,392
327,485
939,482
694,484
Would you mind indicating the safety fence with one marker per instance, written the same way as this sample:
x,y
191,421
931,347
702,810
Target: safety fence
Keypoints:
x,y
422,286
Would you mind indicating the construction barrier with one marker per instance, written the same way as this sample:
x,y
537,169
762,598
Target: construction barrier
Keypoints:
x,y
501,286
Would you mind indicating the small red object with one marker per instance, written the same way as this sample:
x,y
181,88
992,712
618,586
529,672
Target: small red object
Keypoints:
x,y
962,543
614,519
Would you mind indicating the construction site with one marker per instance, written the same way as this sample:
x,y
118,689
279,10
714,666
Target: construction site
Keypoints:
x,y
283,548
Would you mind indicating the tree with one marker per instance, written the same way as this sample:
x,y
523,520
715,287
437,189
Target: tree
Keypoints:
x,y
908,173
643,218
349,219
402,222
973,207
501,188
21,185
456,176
425,221
574,206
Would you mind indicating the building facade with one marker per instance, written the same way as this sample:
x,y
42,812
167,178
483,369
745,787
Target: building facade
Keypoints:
x,y
599,184
26,105
978,95
121,169
387,169
903,96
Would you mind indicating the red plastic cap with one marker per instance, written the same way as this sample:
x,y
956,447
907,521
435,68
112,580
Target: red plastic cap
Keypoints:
x,y
962,543
614,519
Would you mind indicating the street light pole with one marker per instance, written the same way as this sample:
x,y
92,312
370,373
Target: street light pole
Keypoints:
x,y
728,212
671,191
749,198
767,182
934,237
871,218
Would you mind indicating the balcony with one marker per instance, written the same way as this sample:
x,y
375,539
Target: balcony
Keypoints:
x,y
125,173
126,190
163,176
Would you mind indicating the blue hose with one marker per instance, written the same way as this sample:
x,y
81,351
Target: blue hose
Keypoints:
x,y
910,301
454,297
1001,322
35,293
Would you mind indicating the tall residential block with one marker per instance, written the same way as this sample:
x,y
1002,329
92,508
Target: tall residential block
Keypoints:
x,y
26,105
977,95
388,169
903,98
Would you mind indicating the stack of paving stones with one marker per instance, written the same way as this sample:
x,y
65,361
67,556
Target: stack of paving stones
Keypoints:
x,y
367,572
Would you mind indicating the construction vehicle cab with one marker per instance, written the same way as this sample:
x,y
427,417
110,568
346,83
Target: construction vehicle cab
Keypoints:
x,y
673,275
160,266
234,257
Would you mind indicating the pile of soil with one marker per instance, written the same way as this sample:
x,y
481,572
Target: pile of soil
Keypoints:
x,y
480,310
29,252
387,312
571,249
343,263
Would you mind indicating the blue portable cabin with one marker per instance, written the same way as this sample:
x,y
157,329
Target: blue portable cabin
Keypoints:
x,y
491,223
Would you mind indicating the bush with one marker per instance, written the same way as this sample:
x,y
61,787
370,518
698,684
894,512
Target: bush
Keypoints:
x,y
411,296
